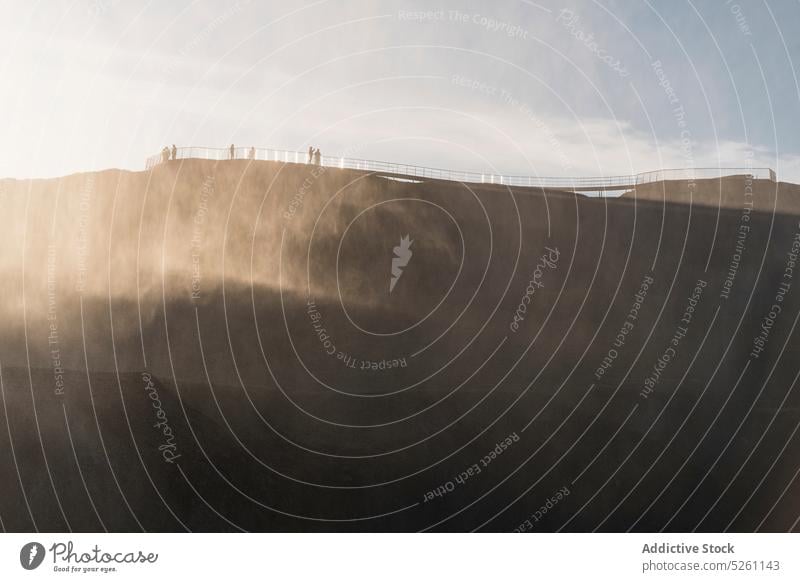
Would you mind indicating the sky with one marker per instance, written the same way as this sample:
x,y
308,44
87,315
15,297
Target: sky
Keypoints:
x,y
579,88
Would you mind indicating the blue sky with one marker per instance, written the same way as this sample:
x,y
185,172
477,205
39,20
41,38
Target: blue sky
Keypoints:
x,y
515,87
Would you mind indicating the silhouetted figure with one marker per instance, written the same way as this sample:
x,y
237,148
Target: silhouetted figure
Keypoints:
x,y
174,152
310,154
317,157
232,153
165,154
252,153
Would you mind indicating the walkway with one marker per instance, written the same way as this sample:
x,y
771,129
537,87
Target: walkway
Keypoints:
x,y
576,184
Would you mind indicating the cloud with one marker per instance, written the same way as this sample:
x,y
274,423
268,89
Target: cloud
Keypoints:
x,y
90,91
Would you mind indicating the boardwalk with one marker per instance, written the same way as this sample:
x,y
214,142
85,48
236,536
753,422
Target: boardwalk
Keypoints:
x,y
576,184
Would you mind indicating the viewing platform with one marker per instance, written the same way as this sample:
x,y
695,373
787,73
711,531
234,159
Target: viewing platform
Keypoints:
x,y
599,184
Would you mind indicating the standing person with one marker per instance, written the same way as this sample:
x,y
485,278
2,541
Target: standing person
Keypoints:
x,y
252,154
310,154
174,152
165,154
317,157
232,153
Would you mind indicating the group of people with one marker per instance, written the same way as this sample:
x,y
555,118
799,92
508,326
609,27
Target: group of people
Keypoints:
x,y
251,153
314,157
168,154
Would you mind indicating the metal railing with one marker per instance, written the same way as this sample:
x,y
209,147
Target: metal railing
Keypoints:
x,y
591,183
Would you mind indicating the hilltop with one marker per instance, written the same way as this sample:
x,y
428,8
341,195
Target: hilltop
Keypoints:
x,y
612,340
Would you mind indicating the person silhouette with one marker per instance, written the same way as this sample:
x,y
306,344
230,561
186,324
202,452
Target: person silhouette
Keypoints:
x,y
232,152
174,152
165,154
252,153
317,157
310,154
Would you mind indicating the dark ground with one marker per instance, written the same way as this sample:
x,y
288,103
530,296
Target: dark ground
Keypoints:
x,y
274,434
